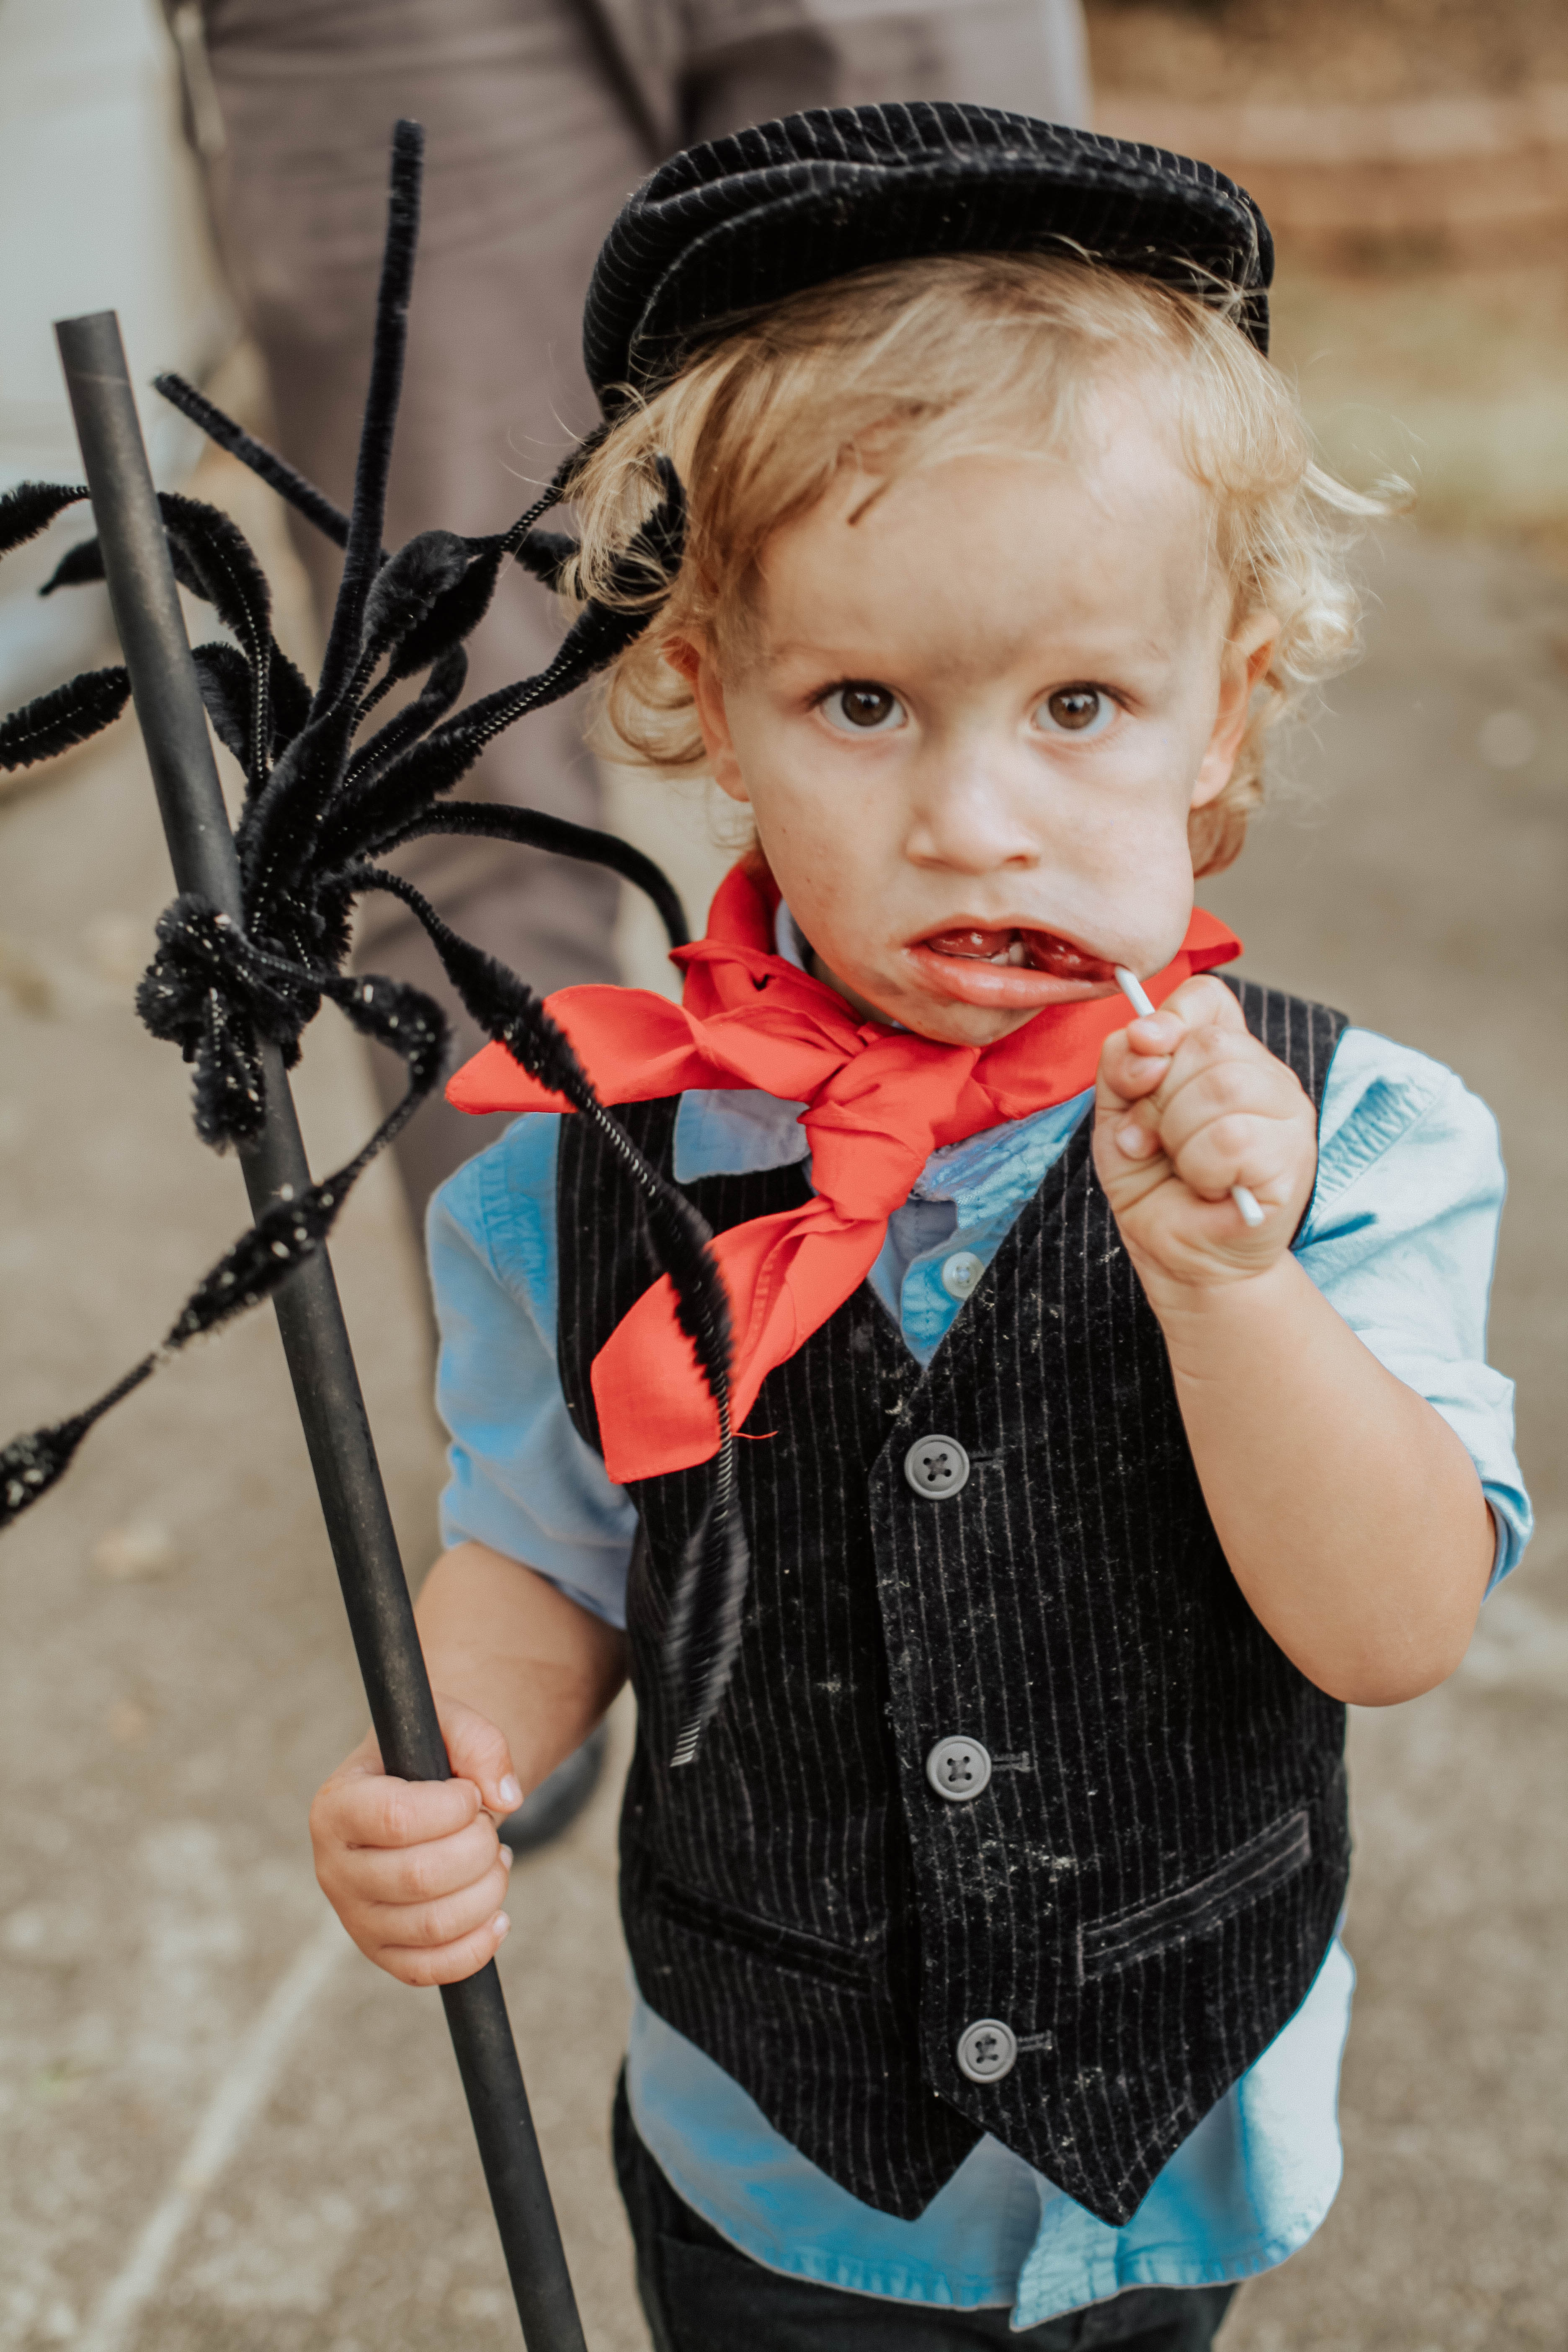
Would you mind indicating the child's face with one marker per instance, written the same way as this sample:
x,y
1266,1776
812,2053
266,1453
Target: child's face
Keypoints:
x,y
974,715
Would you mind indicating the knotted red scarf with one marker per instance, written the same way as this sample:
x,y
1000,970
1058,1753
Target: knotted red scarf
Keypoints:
x,y
878,1100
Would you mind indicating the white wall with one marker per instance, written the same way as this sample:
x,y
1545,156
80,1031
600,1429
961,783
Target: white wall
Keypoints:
x,y
99,209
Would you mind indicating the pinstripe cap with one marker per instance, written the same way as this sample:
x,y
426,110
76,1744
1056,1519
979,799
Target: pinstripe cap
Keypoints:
x,y
727,228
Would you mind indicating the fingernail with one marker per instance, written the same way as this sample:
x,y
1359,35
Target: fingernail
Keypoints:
x,y
507,1855
502,1927
509,1793
1132,1139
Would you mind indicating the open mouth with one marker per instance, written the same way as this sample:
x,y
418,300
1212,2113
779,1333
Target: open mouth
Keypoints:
x,y
1021,951
1010,967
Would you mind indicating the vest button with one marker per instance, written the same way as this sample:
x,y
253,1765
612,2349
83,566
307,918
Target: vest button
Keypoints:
x,y
958,1769
960,1272
987,2050
937,1465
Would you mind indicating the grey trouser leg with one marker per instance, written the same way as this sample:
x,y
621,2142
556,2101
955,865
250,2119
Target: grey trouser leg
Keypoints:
x,y
528,160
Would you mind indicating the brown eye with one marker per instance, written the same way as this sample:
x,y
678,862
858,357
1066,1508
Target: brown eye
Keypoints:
x,y
1076,711
863,705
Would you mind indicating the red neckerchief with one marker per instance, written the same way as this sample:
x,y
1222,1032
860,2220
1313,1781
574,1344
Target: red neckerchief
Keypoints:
x,y
878,1102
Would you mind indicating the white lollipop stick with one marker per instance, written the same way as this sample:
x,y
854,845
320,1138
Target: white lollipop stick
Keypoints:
x,y
1137,995
1133,989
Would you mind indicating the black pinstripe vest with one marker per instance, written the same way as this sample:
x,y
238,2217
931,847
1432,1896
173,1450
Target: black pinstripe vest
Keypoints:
x,y
1143,1891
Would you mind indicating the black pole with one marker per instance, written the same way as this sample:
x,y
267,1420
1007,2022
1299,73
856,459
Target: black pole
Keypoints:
x,y
310,1316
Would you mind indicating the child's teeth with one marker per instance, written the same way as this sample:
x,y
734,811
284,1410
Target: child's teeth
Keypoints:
x,y
970,943
1016,953
1045,952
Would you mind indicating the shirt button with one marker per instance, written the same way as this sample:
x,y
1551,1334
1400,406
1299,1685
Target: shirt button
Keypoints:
x,y
958,1769
960,1272
937,1465
987,2050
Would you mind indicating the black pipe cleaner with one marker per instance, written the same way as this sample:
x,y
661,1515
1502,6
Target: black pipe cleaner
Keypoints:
x,y
325,797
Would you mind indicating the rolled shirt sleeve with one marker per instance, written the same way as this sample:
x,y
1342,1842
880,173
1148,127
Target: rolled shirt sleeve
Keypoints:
x,y
1401,1237
521,1479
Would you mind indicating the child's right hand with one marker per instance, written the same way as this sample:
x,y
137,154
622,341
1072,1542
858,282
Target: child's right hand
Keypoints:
x,y
414,1869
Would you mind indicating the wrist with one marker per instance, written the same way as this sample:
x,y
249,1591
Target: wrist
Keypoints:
x,y
1213,1309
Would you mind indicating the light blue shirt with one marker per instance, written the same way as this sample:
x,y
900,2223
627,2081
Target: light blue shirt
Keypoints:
x,y
1400,1238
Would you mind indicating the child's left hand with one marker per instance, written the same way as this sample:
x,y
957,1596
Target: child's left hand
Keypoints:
x,y
1187,1104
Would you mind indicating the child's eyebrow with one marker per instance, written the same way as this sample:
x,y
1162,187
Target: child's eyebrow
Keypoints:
x,y
1056,660
827,656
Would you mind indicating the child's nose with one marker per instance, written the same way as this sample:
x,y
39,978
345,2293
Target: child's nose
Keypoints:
x,y
964,818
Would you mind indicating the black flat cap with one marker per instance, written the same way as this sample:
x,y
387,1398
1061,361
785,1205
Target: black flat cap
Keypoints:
x,y
727,228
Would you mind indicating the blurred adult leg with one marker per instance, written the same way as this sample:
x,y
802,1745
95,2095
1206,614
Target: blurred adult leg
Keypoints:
x,y
1030,56
528,157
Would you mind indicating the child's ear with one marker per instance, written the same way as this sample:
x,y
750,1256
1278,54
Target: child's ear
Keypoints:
x,y
694,662
1244,663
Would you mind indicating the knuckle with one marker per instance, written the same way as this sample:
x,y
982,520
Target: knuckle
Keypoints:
x,y
459,1916
1203,999
424,1925
1230,1136
395,1894
326,1819
397,1815
484,1737
1220,1050
422,1876
439,1870
416,1812
359,1931
1229,1086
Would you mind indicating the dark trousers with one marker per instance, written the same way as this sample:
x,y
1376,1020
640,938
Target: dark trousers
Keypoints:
x,y
699,2294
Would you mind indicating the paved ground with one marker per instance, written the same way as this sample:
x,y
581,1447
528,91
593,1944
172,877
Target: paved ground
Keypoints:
x,y
226,2134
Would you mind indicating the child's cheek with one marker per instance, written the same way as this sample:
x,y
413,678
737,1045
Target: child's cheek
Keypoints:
x,y
1122,883
818,838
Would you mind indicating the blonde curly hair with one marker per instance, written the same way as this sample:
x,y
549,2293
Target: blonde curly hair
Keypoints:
x,y
961,355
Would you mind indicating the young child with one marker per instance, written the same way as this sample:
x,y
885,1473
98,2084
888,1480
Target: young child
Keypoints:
x,y
984,1930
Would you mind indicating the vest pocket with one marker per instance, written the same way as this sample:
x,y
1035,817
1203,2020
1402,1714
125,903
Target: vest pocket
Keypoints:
x,y
795,1948
1244,1877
